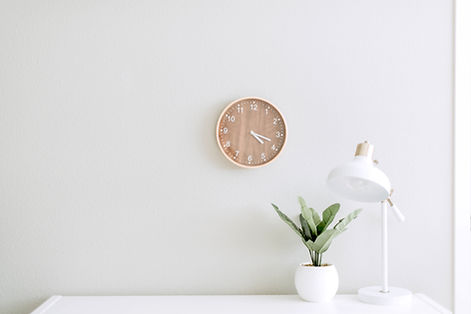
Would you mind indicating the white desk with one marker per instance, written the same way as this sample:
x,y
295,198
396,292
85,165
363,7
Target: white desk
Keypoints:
x,y
246,304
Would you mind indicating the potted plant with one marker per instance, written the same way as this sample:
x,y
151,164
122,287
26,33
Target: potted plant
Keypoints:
x,y
315,281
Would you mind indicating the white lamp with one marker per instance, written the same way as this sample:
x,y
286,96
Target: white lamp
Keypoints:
x,y
360,180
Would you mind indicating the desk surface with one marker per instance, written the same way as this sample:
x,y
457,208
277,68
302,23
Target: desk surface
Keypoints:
x,y
230,304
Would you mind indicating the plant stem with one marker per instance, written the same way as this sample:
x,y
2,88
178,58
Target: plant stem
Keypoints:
x,y
320,260
313,257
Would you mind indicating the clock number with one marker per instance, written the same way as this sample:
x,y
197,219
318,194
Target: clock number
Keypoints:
x,y
278,134
230,118
236,154
266,110
263,156
227,144
276,120
225,130
249,158
273,147
240,109
253,107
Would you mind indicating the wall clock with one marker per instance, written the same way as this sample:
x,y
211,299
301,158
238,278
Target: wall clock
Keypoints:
x,y
251,132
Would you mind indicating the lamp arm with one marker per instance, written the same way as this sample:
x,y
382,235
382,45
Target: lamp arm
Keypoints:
x,y
399,215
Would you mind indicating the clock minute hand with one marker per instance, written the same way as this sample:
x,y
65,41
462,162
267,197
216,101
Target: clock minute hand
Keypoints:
x,y
256,136
264,137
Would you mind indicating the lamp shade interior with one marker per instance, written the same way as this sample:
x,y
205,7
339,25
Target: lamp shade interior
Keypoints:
x,y
359,180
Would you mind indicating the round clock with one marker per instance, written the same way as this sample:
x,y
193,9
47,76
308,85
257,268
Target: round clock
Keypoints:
x,y
251,132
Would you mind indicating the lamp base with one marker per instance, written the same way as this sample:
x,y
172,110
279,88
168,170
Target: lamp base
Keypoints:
x,y
395,296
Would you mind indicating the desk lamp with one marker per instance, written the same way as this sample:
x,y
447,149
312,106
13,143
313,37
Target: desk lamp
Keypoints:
x,y
360,180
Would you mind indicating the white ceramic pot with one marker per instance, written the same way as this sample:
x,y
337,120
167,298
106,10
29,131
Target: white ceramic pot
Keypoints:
x,y
316,283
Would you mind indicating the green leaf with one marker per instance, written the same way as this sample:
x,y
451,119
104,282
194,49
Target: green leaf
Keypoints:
x,y
323,241
340,226
328,216
288,221
305,228
315,217
309,244
309,215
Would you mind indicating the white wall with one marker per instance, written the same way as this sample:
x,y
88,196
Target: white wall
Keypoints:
x,y
111,181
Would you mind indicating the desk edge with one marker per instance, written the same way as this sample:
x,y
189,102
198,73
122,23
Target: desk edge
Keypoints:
x,y
46,305
432,303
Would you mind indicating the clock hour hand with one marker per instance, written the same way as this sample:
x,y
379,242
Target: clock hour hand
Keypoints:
x,y
256,136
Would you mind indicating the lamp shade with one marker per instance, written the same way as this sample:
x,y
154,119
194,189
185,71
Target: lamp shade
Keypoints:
x,y
360,180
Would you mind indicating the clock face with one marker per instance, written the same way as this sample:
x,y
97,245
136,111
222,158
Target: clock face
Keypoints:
x,y
251,132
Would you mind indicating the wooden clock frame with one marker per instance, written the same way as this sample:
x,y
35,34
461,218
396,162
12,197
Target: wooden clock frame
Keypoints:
x,y
220,145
